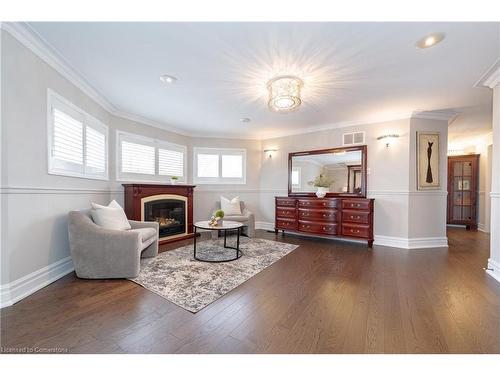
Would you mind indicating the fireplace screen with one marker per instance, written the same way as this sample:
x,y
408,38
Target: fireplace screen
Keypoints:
x,y
170,214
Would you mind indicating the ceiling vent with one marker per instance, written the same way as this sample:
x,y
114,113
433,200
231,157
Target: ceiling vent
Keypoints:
x,y
353,138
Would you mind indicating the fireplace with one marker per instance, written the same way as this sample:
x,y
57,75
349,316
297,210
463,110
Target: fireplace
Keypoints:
x,y
171,206
169,211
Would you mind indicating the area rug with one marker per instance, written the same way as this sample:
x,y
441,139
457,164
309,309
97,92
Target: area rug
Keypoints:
x,y
178,277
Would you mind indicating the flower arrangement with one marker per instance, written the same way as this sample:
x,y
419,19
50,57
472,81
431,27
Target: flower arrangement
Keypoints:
x,y
216,218
322,180
219,213
173,180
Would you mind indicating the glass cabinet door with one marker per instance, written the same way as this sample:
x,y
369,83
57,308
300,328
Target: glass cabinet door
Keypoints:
x,y
462,199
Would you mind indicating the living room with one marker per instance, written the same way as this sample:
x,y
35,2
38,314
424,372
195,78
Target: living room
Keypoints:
x,y
250,187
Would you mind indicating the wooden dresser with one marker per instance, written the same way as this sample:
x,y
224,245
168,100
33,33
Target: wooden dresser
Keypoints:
x,y
350,218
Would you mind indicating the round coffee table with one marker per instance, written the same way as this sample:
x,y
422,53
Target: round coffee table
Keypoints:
x,y
225,226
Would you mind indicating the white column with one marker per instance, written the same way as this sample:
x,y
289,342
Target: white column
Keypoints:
x,y
492,80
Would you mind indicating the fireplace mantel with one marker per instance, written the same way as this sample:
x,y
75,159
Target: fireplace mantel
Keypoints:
x,y
136,194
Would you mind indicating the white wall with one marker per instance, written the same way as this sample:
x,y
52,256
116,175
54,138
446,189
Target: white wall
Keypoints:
x,y
494,260
427,208
205,196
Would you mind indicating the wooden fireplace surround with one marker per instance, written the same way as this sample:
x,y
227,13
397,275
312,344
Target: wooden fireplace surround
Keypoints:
x,y
135,192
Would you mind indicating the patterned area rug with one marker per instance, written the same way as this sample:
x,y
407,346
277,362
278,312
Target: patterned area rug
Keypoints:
x,y
192,285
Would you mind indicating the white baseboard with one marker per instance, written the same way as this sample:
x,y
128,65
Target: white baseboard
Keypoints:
x,y
411,243
18,289
264,225
493,269
481,227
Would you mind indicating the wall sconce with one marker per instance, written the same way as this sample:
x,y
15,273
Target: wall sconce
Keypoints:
x,y
389,139
270,152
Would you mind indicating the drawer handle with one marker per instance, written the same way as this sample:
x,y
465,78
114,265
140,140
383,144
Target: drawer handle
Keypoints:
x,y
327,228
357,217
325,215
354,231
324,203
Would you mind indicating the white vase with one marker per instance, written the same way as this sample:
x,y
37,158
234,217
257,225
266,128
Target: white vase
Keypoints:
x,y
172,181
321,192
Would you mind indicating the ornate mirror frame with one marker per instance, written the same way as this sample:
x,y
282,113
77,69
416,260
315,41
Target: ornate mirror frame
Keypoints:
x,y
361,194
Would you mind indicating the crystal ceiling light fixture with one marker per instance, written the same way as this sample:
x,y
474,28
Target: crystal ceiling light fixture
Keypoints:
x,y
284,93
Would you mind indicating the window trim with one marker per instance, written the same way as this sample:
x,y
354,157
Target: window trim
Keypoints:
x,y
87,120
219,180
156,143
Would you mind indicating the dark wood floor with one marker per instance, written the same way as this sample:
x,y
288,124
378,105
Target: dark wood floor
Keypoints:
x,y
325,297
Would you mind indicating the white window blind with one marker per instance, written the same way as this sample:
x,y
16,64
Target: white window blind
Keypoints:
x,y
170,163
96,150
295,177
232,166
137,158
77,142
68,138
208,165
146,159
219,166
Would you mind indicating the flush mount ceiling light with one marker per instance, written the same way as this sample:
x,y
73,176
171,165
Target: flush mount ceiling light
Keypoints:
x,y
245,119
284,93
430,40
165,78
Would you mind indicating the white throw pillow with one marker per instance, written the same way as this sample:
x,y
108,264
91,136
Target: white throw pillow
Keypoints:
x,y
230,207
111,216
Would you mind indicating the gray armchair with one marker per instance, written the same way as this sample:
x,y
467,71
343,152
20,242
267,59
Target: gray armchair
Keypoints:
x,y
100,253
247,218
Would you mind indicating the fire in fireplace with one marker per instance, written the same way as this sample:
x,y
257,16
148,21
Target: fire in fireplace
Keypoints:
x,y
170,214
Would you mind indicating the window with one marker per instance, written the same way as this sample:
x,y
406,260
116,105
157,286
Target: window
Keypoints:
x,y
219,166
296,176
147,159
77,142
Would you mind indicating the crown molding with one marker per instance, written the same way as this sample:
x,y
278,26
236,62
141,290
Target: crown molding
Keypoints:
x,y
439,115
32,40
491,77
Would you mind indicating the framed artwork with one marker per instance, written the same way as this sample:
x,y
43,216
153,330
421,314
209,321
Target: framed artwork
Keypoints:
x,y
428,177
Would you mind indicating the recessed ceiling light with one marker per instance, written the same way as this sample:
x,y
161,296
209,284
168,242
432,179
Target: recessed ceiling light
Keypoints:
x,y
430,40
165,78
245,119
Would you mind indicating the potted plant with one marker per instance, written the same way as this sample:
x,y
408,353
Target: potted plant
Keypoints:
x,y
323,183
219,215
173,180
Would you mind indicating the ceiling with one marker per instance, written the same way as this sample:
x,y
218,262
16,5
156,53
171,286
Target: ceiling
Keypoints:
x,y
352,72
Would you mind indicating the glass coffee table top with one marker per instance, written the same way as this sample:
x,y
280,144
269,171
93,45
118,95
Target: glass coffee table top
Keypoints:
x,y
226,224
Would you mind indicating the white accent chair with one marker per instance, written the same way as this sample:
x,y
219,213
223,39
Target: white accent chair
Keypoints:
x,y
247,218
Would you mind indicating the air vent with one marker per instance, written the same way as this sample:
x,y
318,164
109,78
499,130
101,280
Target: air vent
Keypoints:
x,y
353,138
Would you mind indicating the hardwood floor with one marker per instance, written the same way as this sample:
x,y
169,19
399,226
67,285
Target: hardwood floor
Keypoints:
x,y
325,297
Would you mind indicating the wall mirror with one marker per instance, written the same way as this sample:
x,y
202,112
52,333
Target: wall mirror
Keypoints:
x,y
340,171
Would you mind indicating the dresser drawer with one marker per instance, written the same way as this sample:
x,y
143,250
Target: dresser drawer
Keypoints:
x,y
318,203
318,228
352,216
286,202
282,212
356,230
356,204
318,215
286,224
